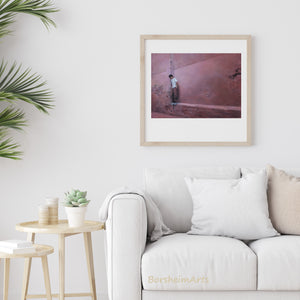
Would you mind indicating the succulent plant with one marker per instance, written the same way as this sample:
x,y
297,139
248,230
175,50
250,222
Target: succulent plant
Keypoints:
x,y
76,198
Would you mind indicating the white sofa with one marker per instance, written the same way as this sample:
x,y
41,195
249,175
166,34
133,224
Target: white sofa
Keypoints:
x,y
190,267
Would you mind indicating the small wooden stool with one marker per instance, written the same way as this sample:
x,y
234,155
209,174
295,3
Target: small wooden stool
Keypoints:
x,y
41,251
63,230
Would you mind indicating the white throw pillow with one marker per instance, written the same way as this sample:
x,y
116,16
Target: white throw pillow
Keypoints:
x,y
235,208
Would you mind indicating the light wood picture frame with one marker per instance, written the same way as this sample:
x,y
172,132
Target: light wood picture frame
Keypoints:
x,y
195,90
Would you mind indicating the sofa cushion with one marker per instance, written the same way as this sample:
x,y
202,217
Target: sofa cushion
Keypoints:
x,y
284,200
278,260
168,189
190,262
235,208
245,171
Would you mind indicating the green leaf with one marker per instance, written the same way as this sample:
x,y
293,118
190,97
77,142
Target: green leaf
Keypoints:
x,y
38,8
8,149
12,118
17,85
5,21
82,200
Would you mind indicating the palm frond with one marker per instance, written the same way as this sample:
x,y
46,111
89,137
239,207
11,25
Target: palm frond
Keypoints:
x,y
8,149
5,21
13,118
18,85
38,8
25,86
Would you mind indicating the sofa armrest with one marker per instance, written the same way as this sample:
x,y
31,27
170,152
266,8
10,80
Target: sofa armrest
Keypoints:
x,y
126,233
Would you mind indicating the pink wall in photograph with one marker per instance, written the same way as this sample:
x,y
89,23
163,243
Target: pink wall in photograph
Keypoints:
x,y
206,84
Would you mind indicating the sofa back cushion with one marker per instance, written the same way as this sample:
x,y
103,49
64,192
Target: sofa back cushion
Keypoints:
x,y
245,171
169,191
283,198
236,208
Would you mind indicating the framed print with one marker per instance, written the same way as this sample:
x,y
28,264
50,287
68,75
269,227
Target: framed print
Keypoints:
x,y
195,90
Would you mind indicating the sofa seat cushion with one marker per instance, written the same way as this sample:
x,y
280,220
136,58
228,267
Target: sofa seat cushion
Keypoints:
x,y
278,261
191,262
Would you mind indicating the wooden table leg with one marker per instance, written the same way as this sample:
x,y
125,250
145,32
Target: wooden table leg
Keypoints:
x,y
6,278
46,277
27,267
61,249
90,262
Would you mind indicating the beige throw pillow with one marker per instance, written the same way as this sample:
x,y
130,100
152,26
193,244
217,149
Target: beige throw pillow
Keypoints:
x,y
284,201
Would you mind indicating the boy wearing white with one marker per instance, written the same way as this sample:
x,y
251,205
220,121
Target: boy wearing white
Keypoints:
x,y
174,88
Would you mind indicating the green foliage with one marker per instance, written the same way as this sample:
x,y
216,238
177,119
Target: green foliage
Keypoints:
x,y
38,8
17,84
12,118
8,149
76,198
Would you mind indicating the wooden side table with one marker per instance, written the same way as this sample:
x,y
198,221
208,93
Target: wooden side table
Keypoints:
x,y
62,230
41,251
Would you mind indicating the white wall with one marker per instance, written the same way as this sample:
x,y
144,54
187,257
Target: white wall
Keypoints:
x,y
91,138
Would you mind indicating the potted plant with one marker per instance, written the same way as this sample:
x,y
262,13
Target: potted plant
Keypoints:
x,y
75,206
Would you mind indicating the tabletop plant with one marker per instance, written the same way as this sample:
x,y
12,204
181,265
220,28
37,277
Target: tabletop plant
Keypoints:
x,y
18,84
76,198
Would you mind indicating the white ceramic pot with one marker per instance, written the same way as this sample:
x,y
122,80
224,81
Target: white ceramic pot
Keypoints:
x,y
76,216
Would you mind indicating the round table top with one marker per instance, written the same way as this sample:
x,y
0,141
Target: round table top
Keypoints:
x,y
40,250
61,228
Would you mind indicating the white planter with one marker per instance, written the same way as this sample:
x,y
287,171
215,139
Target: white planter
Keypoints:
x,y
76,216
